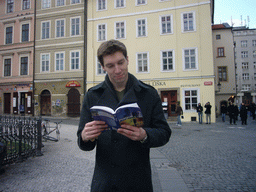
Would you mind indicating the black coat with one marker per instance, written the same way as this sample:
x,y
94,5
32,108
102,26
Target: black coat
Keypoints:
x,y
123,164
243,112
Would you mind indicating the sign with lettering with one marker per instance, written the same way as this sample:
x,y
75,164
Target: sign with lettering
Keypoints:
x,y
73,83
208,83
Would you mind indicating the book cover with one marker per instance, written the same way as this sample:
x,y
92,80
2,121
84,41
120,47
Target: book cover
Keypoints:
x,y
126,114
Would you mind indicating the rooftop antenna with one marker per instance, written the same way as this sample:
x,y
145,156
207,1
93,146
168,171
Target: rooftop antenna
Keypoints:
x,y
241,20
248,20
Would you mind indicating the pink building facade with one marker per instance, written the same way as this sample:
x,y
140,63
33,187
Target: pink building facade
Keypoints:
x,y
16,56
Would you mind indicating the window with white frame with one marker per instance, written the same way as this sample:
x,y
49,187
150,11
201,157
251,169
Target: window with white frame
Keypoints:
x,y
191,98
59,61
244,54
166,24
24,65
141,2
45,29
167,60
7,67
60,3
245,65
142,62
254,53
141,27
75,60
100,70
188,21
10,6
25,4
9,35
119,3
46,4
45,62
254,65
244,43
190,59
246,87
102,32
254,43
75,1
75,26
254,76
60,28
101,5
221,52
245,76
120,30
25,32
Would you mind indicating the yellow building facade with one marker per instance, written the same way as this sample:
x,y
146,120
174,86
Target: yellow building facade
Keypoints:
x,y
169,46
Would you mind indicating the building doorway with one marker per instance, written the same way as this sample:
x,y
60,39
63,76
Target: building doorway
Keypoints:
x,y
45,103
171,98
73,103
7,103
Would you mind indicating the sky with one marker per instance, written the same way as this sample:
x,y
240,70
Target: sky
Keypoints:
x,y
225,9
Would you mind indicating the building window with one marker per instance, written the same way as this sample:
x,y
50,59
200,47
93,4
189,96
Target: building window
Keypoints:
x,y
244,54
245,76
119,3
26,4
7,67
254,76
166,24
60,28
141,28
245,65
25,33
60,3
46,30
254,53
218,37
102,32
46,4
142,62
100,70
75,26
75,1
59,61
188,22
254,65
45,62
9,6
190,59
24,66
222,73
244,43
246,87
101,4
8,35
190,98
141,2
254,43
221,52
75,60
120,30
168,60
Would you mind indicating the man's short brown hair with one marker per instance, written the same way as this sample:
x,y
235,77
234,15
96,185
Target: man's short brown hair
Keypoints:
x,y
109,48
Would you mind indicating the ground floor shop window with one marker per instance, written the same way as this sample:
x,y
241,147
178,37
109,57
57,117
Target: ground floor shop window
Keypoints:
x,y
191,98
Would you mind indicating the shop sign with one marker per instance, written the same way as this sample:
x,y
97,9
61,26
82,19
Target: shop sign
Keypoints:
x,y
206,83
73,84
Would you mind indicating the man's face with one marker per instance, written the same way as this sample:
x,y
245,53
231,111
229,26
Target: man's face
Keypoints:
x,y
116,65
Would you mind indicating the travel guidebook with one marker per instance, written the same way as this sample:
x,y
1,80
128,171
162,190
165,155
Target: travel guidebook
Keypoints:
x,y
127,114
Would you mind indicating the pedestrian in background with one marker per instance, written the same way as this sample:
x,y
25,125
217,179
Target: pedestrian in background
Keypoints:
x,y
243,114
252,110
199,110
232,112
223,111
208,112
179,112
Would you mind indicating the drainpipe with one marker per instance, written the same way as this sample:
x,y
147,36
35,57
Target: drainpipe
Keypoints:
x,y
34,60
85,44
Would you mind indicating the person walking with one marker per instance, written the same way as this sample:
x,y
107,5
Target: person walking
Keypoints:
x,y
199,110
179,112
232,112
208,112
122,155
252,110
223,111
243,114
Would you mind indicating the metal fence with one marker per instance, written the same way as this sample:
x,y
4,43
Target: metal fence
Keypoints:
x,y
22,137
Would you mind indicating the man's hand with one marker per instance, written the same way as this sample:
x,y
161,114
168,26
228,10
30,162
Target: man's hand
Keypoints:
x,y
92,130
133,133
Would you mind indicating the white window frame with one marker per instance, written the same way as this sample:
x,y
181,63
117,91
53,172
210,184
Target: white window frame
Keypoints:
x,y
196,59
64,27
137,28
139,2
173,60
21,24
13,8
24,55
137,62
79,60
41,62
98,31
75,29
124,1
254,53
191,104
6,26
120,22
22,5
99,68
75,1
245,76
47,3
102,9
161,24
245,65
55,60
254,43
244,54
56,3
244,43
246,87
4,58
194,22
49,29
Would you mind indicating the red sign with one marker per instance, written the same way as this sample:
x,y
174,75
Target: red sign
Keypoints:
x,y
208,83
73,84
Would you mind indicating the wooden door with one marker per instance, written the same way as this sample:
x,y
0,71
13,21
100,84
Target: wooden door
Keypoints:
x,y
73,103
45,103
7,103
171,98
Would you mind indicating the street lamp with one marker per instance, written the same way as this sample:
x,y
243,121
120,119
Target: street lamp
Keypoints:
x,y
219,87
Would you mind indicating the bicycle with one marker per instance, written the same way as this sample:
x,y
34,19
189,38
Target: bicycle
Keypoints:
x,y
47,130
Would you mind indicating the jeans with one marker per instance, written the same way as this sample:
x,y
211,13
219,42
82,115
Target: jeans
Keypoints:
x,y
223,117
200,116
208,118
179,120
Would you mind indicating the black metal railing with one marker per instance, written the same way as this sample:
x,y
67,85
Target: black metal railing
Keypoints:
x,y
22,136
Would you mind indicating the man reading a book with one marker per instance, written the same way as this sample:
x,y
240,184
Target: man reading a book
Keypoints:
x,y
122,155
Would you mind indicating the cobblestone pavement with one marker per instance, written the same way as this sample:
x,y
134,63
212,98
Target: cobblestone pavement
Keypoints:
x,y
214,157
